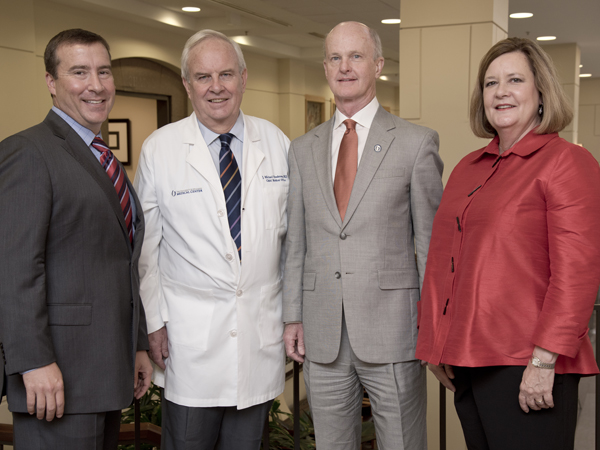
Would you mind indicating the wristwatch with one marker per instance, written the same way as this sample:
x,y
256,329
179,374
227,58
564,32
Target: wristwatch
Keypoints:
x,y
535,361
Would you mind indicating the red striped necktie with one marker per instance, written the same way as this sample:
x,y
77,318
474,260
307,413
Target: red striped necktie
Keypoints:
x,y
117,176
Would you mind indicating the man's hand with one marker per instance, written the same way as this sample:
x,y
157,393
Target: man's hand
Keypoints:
x,y
142,374
293,338
45,392
444,373
159,347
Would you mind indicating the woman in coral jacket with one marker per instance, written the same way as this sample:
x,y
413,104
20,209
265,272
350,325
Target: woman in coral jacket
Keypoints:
x,y
514,262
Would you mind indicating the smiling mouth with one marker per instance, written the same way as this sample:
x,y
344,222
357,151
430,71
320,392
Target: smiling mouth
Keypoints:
x,y
502,107
218,100
94,102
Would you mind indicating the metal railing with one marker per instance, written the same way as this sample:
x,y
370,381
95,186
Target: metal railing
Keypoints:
x,y
150,434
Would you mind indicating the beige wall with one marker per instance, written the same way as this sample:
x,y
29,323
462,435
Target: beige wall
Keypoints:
x,y
589,115
142,114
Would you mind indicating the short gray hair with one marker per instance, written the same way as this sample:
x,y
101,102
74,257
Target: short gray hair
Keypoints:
x,y
375,39
201,36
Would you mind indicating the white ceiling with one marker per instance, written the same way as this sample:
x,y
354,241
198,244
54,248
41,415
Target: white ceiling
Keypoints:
x,y
295,28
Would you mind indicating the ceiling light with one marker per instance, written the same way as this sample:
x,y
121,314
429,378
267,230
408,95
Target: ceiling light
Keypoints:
x,y
523,15
383,77
585,75
390,21
580,66
190,9
546,38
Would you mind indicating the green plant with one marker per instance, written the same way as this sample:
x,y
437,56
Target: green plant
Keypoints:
x,y
150,411
281,431
281,424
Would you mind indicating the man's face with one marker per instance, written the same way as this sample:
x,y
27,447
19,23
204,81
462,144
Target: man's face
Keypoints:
x,y
216,86
84,88
349,66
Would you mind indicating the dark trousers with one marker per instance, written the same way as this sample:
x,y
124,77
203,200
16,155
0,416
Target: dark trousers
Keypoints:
x,y
487,404
98,431
219,428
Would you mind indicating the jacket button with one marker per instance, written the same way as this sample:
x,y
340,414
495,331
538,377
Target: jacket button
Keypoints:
x,y
229,257
338,275
233,333
239,293
220,213
343,236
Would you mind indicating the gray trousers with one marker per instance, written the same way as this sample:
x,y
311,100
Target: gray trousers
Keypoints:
x,y
218,428
98,431
398,394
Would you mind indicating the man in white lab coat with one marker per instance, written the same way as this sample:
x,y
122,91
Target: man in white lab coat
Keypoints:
x,y
213,188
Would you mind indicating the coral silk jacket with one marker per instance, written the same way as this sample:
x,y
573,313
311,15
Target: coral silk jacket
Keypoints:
x,y
514,259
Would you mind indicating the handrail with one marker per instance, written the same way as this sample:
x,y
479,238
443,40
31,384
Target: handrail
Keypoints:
x,y
147,433
597,434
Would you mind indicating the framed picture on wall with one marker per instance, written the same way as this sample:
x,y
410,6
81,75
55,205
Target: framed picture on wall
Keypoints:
x,y
119,139
315,111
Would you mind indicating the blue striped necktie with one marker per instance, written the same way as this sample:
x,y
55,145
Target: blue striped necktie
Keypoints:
x,y
231,180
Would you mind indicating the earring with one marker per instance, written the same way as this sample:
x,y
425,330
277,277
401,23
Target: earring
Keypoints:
x,y
541,109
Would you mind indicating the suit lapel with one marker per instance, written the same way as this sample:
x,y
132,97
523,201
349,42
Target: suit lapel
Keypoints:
x,y
73,145
371,159
138,235
321,149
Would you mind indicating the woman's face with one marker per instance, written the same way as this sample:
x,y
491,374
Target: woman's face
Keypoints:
x,y
510,98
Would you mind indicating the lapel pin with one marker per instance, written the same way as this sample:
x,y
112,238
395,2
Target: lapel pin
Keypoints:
x,y
377,148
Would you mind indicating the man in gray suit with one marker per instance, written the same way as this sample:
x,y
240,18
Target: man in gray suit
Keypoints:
x,y
72,326
364,188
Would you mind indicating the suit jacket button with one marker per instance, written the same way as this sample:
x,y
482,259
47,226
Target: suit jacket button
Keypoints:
x,y
343,236
338,275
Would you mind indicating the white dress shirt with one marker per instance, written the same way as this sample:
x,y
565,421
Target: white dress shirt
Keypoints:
x,y
364,119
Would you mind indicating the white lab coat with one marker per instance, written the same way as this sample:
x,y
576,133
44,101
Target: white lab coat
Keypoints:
x,y
223,318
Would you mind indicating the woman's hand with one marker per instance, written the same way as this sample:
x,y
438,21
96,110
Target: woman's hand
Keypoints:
x,y
536,386
444,374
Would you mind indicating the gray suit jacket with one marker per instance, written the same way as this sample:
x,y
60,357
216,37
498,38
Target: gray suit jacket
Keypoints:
x,y
68,274
367,262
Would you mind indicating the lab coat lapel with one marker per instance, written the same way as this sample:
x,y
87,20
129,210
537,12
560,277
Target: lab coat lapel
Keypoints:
x,y
252,157
198,155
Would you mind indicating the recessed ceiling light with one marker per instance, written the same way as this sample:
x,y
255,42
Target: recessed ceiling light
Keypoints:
x,y
580,66
523,15
390,21
383,77
546,38
585,75
190,9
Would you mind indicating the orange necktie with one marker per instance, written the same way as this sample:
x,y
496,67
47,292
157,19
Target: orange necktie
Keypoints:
x,y
347,165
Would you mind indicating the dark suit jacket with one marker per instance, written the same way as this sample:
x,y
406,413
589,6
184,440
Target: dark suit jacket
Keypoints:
x,y
69,286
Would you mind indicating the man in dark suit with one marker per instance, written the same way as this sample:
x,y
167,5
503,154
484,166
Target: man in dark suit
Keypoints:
x,y
72,327
364,188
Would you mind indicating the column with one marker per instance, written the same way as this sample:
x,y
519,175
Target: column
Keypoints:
x,y
23,74
567,58
441,45
291,97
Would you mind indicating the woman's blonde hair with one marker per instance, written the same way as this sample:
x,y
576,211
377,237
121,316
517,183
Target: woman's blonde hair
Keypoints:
x,y
557,111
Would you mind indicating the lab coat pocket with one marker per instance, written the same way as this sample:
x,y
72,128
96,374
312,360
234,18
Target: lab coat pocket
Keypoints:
x,y
270,322
190,312
275,201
